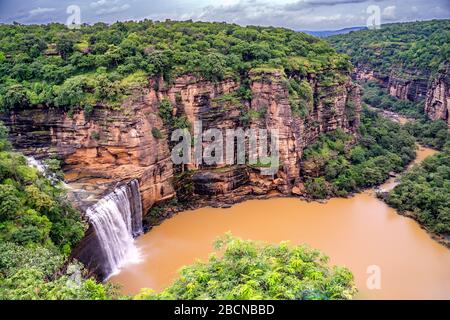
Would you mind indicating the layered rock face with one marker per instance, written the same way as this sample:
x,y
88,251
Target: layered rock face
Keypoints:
x,y
435,92
330,111
114,146
111,147
408,86
108,148
437,103
407,89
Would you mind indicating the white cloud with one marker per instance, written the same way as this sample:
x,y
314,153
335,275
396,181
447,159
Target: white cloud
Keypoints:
x,y
103,3
108,6
115,9
389,12
39,10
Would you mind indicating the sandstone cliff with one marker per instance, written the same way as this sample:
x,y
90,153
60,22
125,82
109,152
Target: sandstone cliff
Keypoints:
x,y
113,146
409,86
437,103
110,147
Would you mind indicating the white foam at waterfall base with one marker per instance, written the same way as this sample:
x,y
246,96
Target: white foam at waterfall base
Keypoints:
x,y
112,219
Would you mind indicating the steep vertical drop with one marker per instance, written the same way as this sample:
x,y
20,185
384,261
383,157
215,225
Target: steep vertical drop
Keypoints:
x,y
136,208
116,218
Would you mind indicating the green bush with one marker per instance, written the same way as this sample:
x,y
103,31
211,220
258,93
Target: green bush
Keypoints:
x,y
156,133
250,270
425,192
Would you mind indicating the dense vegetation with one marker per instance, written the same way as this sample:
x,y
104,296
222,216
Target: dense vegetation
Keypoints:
x,y
417,48
103,64
334,166
433,134
378,97
38,228
251,270
424,191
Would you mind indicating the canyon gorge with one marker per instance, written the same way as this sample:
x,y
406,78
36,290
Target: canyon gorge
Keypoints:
x,y
362,127
433,91
126,149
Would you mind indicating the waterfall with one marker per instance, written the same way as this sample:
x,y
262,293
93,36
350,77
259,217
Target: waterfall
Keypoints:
x,y
33,162
136,207
41,167
116,218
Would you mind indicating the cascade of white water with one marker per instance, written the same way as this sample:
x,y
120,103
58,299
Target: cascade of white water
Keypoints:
x,y
136,208
116,218
42,168
33,162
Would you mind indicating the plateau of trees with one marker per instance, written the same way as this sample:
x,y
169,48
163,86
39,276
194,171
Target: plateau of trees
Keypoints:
x,y
414,49
102,64
247,270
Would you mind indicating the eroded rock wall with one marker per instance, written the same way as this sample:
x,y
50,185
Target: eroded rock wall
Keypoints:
x,y
437,103
433,90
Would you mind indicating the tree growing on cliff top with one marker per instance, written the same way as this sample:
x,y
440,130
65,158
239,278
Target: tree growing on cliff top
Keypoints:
x,y
253,270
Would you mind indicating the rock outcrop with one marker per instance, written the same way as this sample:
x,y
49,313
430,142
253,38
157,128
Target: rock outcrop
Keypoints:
x,y
101,151
437,103
114,146
407,87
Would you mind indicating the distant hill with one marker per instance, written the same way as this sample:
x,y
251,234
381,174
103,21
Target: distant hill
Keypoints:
x,y
415,48
328,33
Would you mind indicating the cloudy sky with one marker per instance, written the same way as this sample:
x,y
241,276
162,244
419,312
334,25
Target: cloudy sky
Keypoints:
x,y
294,14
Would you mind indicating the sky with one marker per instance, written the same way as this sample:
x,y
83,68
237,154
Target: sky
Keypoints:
x,y
293,14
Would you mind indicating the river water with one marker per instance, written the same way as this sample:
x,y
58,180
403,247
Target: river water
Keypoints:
x,y
357,232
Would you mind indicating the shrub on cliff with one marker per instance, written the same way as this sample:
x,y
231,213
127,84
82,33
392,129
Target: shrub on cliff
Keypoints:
x,y
252,270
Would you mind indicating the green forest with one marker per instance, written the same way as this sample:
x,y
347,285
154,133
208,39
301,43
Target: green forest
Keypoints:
x,y
103,64
424,192
418,49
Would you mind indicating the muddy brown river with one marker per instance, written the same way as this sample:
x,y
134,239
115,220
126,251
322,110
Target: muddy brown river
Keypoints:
x,y
357,232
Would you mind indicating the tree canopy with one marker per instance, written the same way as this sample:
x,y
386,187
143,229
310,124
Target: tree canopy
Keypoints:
x,y
415,48
245,270
102,64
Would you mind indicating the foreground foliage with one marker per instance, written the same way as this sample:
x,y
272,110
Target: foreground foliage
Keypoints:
x,y
252,270
424,191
